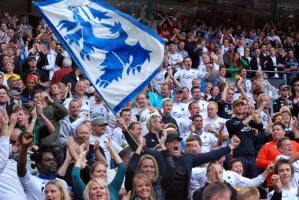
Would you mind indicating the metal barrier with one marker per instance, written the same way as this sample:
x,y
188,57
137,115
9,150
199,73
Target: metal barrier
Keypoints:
x,y
274,81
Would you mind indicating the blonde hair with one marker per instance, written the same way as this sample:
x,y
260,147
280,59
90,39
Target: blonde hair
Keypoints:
x,y
64,193
147,182
246,192
99,181
149,157
150,119
261,98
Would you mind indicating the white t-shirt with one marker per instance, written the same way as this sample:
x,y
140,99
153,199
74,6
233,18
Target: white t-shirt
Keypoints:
x,y
198,179
175,58
10,185
216,123
103,143
237,180
158,80
180,112
184,127
287,194
203,108
208,140
186,77
273,38
119,137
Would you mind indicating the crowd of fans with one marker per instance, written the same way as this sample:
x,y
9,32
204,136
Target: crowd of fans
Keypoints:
x,y
209,126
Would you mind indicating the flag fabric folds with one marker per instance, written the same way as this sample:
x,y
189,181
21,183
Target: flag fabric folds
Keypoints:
x,y
118,54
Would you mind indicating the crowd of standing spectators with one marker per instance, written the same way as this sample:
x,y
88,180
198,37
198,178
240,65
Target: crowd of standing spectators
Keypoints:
x,y
210,125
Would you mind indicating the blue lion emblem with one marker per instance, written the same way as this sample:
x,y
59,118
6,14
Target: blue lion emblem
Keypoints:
x,y
119,53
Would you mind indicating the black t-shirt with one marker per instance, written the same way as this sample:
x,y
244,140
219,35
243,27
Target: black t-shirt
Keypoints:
x,y
225,110
151,140
279,102
177,189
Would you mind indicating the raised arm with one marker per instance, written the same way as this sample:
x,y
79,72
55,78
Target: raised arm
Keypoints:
x,y
247,182
44,119
114,155
26,141
224,93
66,163
121,168
98,153
202,158
4,140
130,139
80,164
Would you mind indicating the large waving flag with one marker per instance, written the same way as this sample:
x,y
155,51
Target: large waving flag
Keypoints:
x,y
118,54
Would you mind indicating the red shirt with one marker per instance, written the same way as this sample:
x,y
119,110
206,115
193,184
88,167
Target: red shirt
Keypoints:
x,y
268,154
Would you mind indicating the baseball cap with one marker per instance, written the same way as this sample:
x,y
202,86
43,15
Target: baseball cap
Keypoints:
x,y
177,90
172,134
99,121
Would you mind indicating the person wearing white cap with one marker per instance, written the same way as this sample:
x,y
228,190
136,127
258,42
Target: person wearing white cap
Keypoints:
x,y
100,133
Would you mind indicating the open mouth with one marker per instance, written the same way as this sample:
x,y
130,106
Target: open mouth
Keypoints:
x,y
176,149
100,196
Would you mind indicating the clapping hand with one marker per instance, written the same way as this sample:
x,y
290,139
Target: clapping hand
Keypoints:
x,y
121,123
26,139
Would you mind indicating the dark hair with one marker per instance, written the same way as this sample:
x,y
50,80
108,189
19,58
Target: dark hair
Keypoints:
x,y
126,152
190,104
279,124
124,110
194,138
233,161
280,141
37,155
281,162
4,88
195,116
257,92
193,88
132,125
